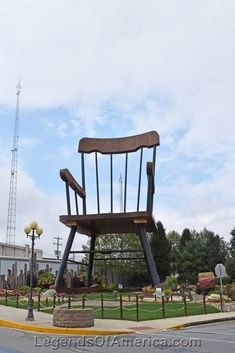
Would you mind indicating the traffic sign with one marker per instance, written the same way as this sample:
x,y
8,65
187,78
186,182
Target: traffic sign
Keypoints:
x,y
220,270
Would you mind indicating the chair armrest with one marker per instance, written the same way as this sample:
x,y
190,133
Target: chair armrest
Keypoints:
x,y
67,177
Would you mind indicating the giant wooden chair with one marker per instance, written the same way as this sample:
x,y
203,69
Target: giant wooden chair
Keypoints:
x,y
93,225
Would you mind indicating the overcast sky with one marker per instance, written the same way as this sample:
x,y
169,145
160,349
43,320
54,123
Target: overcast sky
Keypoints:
x,y
113,68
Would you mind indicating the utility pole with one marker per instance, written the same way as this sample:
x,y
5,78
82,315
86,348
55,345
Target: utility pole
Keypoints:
x,y
11,217
58,244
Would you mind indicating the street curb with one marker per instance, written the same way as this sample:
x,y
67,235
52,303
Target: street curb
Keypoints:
x,y
60,330
204,322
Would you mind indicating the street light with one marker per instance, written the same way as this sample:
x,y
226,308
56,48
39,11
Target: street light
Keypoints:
x,y
33,227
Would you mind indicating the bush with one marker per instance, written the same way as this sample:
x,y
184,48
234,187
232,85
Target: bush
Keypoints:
x,y
171,283
215,290
45,279
112,286
168,292
230,291
24,289
38,289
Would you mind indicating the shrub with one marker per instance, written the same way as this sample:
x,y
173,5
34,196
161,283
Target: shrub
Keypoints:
x,y
171,283
112,286
168,292
38,289
230,291
45,279
24,289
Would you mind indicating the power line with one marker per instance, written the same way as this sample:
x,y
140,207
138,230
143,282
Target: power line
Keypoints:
x,y
58,244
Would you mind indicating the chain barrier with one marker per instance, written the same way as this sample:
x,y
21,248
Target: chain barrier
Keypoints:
x,y
150,311
96,298
182,308
129,309
110,309
96,310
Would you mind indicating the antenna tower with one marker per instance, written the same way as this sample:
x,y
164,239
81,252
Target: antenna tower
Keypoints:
x,y
11,217
121,193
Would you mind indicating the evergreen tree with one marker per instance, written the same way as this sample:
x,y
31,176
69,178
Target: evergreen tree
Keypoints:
x,y
174,240
160,247
185,237
232,243
230,267
193,259
216,248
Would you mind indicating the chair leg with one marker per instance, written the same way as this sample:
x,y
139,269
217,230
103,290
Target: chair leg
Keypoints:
x,y
91,261
154,277
63,264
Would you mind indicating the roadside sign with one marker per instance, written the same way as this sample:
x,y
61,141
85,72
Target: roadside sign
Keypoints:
x,y
220,270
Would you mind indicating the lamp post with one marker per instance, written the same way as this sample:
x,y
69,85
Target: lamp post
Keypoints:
x,y
30,233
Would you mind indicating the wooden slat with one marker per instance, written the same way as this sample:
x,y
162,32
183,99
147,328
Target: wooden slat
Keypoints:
x,y
110,223
119,145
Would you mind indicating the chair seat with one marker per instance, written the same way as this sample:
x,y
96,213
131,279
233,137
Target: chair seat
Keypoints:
x,y
110,223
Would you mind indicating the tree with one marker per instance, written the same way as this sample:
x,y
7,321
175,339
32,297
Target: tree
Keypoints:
x,y
232,243
230,267
174,240
126,269
193,259
161,251
216,248
201,254
185,237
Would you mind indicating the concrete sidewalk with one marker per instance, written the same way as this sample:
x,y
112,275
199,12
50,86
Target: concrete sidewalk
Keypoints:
x,y
15,318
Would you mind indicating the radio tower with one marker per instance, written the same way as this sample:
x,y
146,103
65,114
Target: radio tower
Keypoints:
x,y
121,193
11,217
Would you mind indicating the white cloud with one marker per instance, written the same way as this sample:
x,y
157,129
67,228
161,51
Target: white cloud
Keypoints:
x,y
166,65
33,204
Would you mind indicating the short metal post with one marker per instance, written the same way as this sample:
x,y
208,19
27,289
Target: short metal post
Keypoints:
x,y
54,301
102,305
83,301
163,308
69,302
204,303
121,307
221,302
39,300
137,307
6,297
17,299
185,306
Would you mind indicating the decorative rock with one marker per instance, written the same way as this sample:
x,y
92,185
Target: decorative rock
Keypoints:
x,y
75,318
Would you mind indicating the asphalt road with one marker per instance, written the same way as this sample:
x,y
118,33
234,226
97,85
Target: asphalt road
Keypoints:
x,y
213,338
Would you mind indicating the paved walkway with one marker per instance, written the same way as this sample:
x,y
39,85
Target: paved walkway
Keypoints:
x,y
15,318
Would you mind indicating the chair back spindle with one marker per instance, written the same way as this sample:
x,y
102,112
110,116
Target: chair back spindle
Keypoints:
x,y
125,183
111,183
83,181
97,183
139,184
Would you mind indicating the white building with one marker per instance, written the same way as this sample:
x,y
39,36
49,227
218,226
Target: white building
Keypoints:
x,y
15,262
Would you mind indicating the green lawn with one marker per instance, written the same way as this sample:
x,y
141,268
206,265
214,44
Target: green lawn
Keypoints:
x,y
147,311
